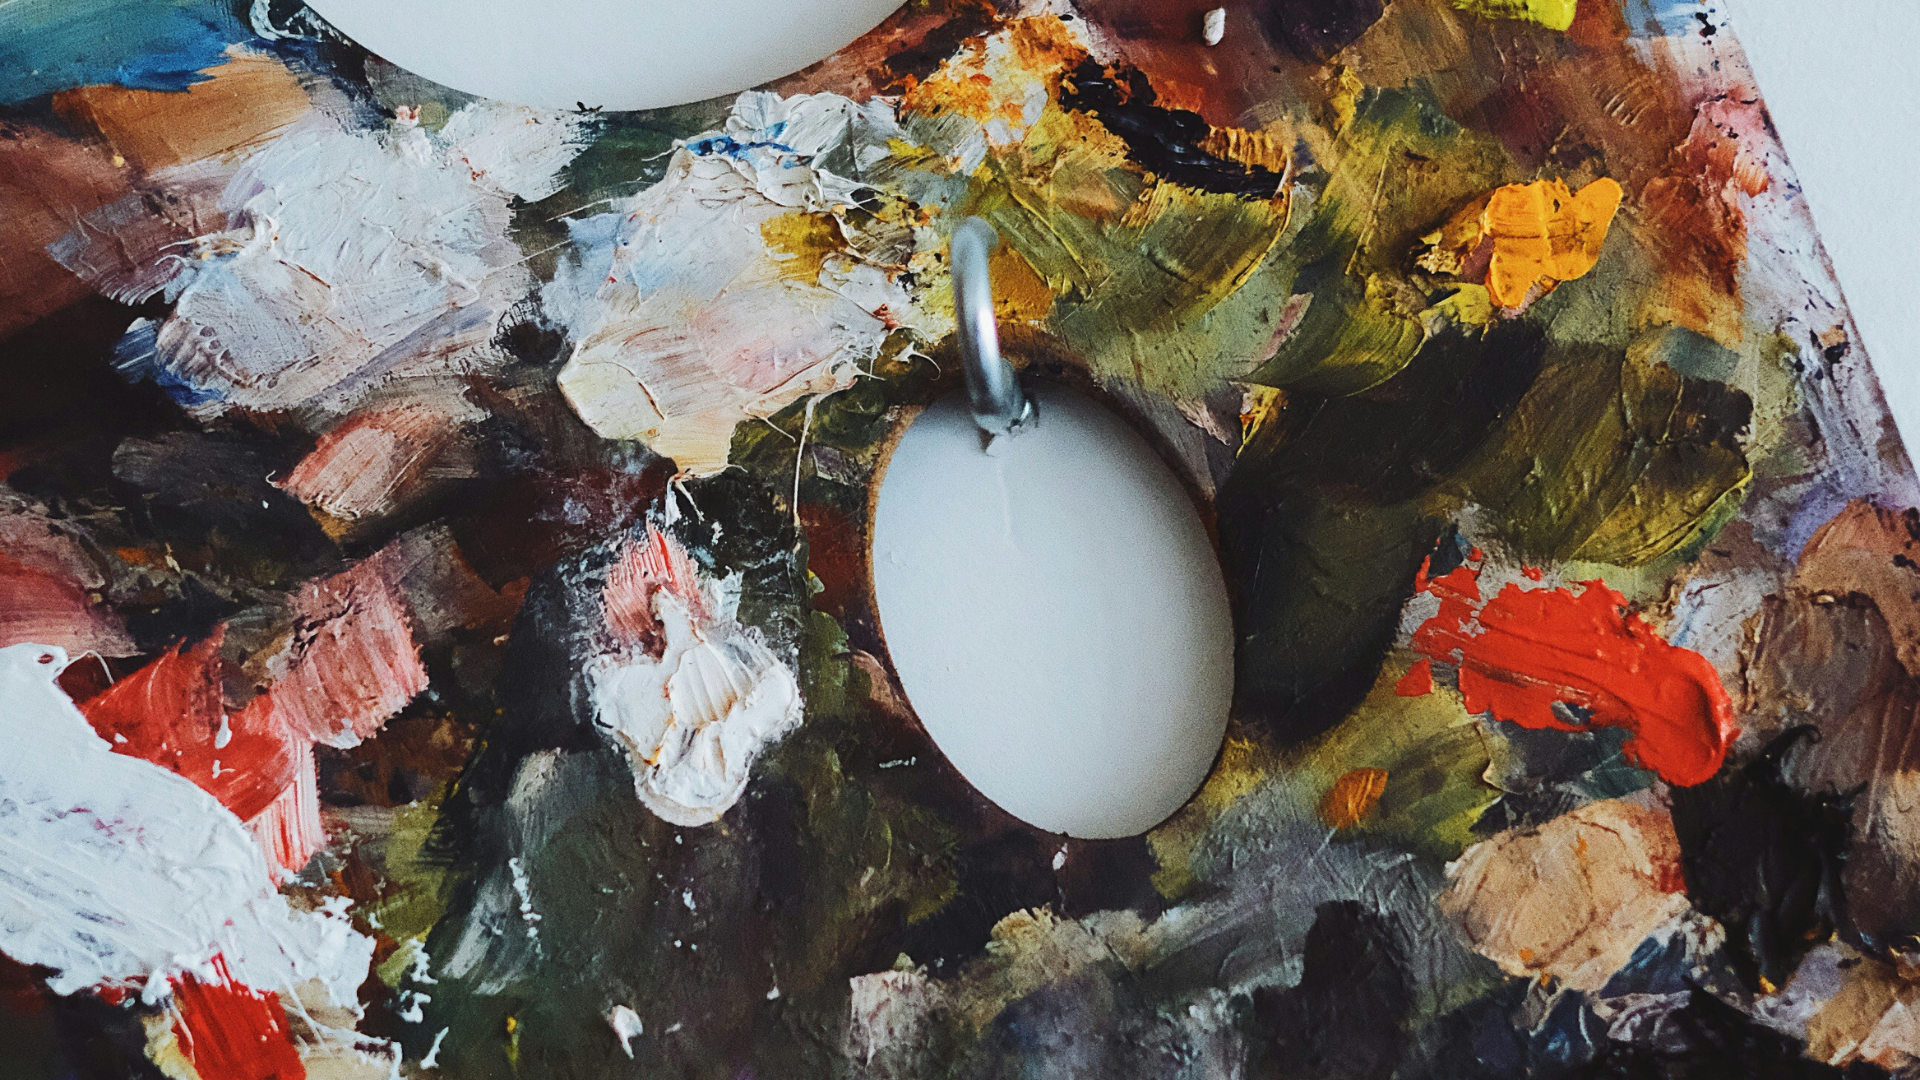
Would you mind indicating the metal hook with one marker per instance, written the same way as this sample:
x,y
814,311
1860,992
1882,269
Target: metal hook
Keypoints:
x,y
999,406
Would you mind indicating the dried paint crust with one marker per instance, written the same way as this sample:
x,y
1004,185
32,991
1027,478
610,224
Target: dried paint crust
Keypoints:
x,y
455,520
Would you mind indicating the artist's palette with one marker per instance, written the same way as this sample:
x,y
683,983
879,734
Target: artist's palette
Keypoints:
x,y
460,523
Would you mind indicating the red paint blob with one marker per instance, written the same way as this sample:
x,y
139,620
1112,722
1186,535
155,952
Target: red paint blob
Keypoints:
x,y
1525,649
1417,681
233,1032
171,713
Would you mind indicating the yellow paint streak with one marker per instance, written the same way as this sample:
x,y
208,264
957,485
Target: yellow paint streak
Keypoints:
x,y
1255,149
1552,14
1353,797
1258,406
803,242
1346,100
163,1048
1020,294
1430,759
1470,306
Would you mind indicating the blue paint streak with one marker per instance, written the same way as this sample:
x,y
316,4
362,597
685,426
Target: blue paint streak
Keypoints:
x,y
136,356
1653,18
730,147
52,45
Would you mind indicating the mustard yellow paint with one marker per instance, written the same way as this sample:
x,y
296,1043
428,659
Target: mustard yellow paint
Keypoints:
x,y
1552,14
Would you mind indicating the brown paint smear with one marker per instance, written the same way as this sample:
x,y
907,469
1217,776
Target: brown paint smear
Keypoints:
x,y
242,102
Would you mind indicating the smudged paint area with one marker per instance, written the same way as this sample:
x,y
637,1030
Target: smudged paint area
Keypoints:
x,y
122,876
447,525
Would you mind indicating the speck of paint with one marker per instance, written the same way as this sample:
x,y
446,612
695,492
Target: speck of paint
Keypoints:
x,y
626,1026
1417,681
1214,26
1353,797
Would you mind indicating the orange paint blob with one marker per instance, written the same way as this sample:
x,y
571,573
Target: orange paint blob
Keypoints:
x,y
1544,234
1353,797
1526,649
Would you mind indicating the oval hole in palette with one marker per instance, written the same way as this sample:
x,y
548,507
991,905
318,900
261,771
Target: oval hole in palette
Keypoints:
x,y
1056,614
614,54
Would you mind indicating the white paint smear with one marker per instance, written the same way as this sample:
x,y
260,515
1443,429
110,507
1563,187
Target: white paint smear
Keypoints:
x,y
694,322
353,259
695,714
1056,614
113,869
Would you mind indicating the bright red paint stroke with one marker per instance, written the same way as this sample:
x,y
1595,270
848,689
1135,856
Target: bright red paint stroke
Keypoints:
x,y
171,713
233,1032
351,664
1417,681
1525,649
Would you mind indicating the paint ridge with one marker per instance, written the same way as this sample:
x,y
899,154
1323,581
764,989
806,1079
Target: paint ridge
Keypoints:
x,y
1573,658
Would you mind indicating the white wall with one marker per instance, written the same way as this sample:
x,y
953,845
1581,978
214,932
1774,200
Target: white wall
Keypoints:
x,y
1842,80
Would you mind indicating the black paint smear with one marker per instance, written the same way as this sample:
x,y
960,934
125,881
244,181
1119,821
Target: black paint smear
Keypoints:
x,y
730,525
1321,532
1345,1019
1396,440
967,18
1109,875
1551,772
997,875
529,336
1705,1039
185,613
1165,142
1314,30
535,688
72,1037
1766,860
61,383
521,524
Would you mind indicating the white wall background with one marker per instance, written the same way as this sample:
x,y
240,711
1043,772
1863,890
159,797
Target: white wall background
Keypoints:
x,y
1842,80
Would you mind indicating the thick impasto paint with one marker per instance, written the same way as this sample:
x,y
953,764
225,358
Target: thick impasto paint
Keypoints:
x,y
437,634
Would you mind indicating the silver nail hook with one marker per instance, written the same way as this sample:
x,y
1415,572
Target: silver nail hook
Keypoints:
x,y
999,406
